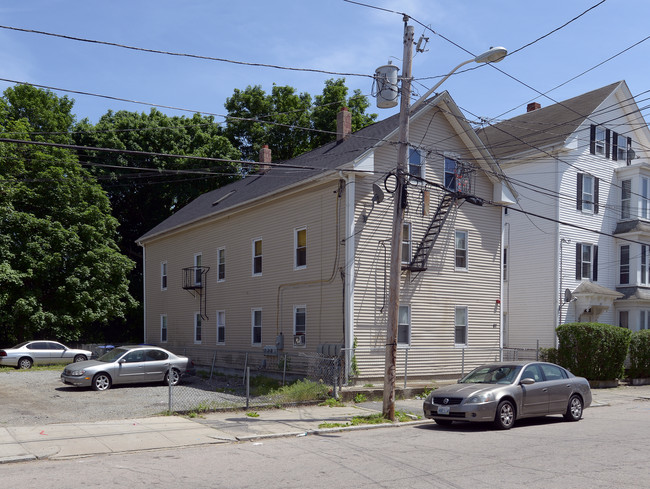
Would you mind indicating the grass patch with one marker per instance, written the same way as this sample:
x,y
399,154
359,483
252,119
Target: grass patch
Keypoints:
x,y
253,414
378,418
331,402
360,397
301,390
58,367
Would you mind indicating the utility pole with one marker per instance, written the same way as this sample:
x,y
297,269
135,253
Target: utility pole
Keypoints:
x,y
390,374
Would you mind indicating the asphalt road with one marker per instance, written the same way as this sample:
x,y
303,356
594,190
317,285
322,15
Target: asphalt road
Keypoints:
x,y
607,449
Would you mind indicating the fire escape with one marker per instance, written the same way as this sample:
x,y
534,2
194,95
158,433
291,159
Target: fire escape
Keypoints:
x,y
195,282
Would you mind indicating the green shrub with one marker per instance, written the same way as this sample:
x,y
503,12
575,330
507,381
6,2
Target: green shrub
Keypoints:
x,y
548,355
593,350
301,390
640,354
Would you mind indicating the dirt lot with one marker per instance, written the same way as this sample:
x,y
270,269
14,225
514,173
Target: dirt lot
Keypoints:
x,y
31,397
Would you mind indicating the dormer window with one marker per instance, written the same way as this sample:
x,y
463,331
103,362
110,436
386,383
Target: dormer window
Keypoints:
x,y
599,140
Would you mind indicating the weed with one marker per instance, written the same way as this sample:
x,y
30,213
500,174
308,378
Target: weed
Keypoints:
x,y
332,402
301,390
333,425
253,414
360,397
368,385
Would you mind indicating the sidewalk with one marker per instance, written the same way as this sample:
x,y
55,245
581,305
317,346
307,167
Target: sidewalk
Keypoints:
x,y
60,441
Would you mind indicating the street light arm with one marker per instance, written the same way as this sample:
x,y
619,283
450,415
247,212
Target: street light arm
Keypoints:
x,y
431,90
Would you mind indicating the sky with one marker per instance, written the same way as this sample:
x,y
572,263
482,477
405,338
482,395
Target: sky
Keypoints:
x,y
333,36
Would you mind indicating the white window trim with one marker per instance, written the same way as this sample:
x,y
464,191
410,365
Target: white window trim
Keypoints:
x,y
198,320
588,203
255,240
600,144
407,344
407,241
466,267
219,250
253,311
423,165
198,258
466,344
222,312
164,274
295,248
628,264
644,198
295,309
163,322
644,268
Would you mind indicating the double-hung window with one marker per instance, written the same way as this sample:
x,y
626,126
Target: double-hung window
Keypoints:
x,y
221,327
256,327
163,275
624,265
644,319
599,141
645,265
587,193
404,326
198,271
620,147
626,198
257,257
163,328
461,250
624,319
450,173
406,243
460,326
300,244
300,320
644,199
221,264
197,327
586,261
416,164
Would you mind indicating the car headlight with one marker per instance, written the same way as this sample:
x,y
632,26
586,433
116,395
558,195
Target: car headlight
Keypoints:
x,y
479,398
76,373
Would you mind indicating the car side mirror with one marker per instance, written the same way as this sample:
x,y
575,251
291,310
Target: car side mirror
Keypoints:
x,y
121,360
527,381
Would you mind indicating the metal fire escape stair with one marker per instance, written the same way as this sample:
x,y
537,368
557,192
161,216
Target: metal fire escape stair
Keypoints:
x,y
421,256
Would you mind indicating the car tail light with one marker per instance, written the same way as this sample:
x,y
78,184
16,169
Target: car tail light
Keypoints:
x,y
3,353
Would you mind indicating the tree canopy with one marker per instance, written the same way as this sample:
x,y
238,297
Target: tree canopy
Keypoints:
x,y
62,275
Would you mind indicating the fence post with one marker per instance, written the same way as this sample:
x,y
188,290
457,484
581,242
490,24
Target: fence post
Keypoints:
x,y
245,366
406,367
170,407
214,359
336,377
284,369
248,383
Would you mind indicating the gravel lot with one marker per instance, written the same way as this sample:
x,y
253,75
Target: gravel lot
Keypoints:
x,y
31,397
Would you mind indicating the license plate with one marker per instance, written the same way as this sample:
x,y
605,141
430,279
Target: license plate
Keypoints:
x,y
443,409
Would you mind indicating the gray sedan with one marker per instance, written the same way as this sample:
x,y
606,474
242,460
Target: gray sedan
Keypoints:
x,y
41,352
504,392
128,365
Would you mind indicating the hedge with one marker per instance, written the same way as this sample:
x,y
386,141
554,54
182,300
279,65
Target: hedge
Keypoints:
x,y
593,350
640,354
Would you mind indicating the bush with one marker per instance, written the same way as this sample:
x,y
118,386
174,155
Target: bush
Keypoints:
x,y
640,354
548,355
593,350
301,390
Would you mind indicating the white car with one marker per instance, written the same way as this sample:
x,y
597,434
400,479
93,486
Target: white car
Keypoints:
x,y
41,352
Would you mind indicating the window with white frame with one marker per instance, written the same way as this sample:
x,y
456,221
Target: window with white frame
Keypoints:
x,y
221,327
404,326
257,257
624,265
197,327
299,320
599,141
587,193
620,147
450,173
644,319
626,198
198,275
300,245
163,275
163,328
624,319
460,326
416,164
406,242
586,261
645,265
256,326
221,264
644,199
461,250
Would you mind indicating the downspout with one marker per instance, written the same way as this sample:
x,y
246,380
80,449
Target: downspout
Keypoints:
x,y
505,304
350,248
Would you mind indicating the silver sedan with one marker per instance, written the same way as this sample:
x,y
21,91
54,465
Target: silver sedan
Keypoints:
x,y
41,352
504,392
128,365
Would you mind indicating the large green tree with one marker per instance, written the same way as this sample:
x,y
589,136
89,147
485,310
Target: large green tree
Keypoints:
x,y
290,123
62,275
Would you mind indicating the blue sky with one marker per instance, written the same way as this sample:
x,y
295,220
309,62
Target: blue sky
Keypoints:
x,y
329,35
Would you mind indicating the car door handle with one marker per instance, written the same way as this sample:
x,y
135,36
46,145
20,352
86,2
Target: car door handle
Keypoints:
x,y
544,389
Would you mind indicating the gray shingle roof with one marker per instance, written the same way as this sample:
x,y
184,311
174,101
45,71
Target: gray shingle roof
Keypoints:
x,y
543,127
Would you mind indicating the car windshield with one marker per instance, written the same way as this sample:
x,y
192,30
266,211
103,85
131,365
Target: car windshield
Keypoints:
x,y
112,355
492,374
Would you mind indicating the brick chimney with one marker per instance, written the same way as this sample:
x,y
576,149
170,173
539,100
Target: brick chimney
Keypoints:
x,y
533,106
343,124
265,157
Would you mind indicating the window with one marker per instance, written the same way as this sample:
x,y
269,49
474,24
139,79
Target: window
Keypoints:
x,y
257,257
299,320
256,327
644,320
645,265
163,328
163,276
460,329
599,141
626,195
624,319
624,265
645,198
450,173
406,242
461,250
587,195
416,163
221,264
197,269
221,327
404,326
552,372
619,151
300,243
586,262
197,327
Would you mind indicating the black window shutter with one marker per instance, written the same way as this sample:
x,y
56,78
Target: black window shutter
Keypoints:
x,y
578,261
596,180
579,193
614,146
594,264
629,151
592,140
607,143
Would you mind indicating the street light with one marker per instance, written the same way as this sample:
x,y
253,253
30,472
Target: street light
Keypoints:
x,y
493,55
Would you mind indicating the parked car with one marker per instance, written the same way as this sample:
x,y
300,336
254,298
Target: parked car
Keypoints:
x,y
41,352
128,365
503,392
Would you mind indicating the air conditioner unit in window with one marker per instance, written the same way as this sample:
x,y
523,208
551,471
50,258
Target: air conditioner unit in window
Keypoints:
x,y
299,340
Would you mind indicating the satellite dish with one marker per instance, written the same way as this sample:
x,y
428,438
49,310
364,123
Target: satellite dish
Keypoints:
x,y
378,194
568,295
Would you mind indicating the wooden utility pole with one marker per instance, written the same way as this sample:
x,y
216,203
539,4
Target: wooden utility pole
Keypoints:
x,y
390,374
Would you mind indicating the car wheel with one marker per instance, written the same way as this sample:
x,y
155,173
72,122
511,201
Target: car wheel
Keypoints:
x,y
101,382
574,409
505,417
25,363
80,358
176,377
443,422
